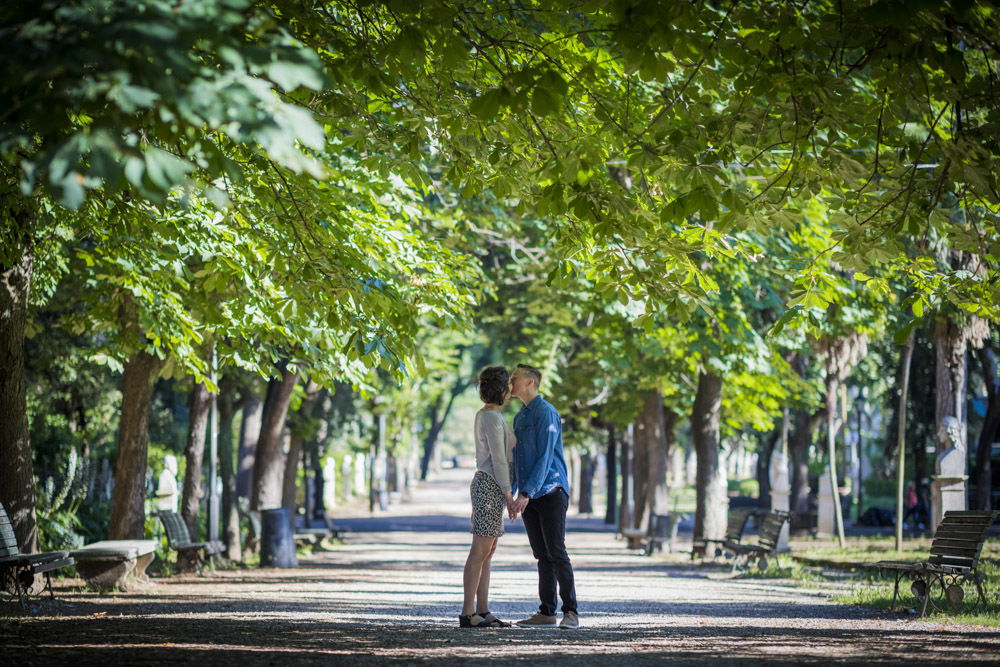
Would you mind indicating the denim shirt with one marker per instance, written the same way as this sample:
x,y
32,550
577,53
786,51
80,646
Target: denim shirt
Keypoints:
x,y
538,456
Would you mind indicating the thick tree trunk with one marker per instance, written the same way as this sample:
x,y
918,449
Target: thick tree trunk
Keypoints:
x,y
194,456
611,461
290,475
17,482
230,508
252,409
250,423
950,374
710,512
983,474
268,469
658,440
763,471
949,392
127,511
803,427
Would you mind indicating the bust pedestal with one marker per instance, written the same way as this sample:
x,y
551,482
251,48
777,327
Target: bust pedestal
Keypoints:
x,y
947,495
781,490
826,522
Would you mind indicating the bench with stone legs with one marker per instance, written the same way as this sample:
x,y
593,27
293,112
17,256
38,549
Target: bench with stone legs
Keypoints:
x,y
661,530
115,564
18,571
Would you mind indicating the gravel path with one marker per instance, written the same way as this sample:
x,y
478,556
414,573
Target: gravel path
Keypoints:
x,y
392,591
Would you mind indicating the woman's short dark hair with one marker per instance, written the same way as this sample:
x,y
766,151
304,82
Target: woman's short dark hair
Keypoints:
x,y
493,384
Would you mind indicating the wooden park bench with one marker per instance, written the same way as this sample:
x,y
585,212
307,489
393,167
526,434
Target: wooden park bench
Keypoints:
x,y
115,564
179,539
735,525
954,560
767,543
18,570
661,530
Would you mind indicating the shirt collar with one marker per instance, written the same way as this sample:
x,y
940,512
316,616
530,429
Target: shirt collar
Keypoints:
x,y
535,402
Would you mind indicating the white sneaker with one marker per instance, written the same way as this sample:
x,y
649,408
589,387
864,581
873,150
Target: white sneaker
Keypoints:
x,y
571,620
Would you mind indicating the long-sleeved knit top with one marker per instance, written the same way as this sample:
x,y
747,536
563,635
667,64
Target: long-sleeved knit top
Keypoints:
x,y
494,447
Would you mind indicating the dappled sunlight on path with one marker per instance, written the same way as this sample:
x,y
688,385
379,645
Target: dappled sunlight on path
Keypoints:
x,y
392,589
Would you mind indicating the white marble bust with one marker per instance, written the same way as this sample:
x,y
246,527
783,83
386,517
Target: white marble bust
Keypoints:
x,y
951,461
167,492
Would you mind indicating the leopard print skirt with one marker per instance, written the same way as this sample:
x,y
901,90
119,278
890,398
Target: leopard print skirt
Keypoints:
x,y
488,505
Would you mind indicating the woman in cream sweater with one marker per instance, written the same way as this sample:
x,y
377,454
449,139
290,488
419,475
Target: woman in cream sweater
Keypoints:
x,y
491,496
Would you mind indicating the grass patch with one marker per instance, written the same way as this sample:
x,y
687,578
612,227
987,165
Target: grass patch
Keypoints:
x,y
870,588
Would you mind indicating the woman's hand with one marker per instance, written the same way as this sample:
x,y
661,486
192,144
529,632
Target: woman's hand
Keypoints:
x,y
511,507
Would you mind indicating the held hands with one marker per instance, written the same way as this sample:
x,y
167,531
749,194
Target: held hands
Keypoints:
x,y
511,508
517,507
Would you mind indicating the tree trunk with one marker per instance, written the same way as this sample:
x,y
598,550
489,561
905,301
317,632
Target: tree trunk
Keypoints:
x,y
983,474
290,474
299,423
127,511
803,427
611,462
904,390
763,471
949,393
230,508
710,512
315,507
587,465
268,468
194,456
640,470
377,465
658,440
437,418
250,423
17,481
831,452
950,376
625,508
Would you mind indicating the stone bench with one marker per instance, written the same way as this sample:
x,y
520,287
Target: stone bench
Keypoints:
x,y
115,564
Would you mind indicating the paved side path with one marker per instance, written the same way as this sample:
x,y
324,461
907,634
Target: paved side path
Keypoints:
x,y
392,591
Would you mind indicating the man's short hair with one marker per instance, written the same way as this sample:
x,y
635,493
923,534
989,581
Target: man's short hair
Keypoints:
x,y
532,372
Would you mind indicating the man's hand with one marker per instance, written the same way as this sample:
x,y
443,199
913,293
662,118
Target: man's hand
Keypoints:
x,y
520,504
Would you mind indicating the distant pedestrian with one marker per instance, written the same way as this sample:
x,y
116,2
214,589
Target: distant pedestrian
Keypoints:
x,y
543,498
915,507
491,497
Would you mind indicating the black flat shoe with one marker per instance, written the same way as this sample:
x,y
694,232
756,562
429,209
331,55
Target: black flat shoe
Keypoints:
x,y
493,620
473,621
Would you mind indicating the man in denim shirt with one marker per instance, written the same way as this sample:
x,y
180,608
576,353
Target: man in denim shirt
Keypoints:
x,y
543,498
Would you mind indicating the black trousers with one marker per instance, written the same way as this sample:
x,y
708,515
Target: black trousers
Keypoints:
x,y
545,522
